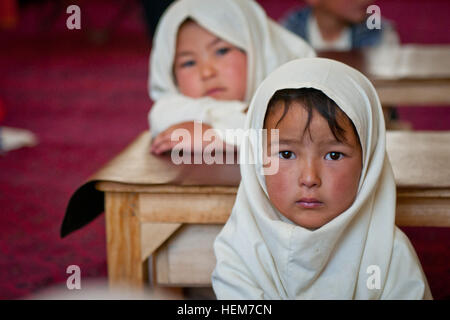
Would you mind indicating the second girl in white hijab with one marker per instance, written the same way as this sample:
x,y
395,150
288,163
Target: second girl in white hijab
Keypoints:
x,y
207,59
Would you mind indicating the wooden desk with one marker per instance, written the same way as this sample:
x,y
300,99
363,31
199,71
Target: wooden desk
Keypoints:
x,y
178,219
412,75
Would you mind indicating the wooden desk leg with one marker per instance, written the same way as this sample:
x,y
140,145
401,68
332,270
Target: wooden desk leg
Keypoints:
x,y
153,236
123,239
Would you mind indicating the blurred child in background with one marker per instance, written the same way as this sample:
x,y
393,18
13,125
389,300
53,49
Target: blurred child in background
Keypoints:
x,y
339,25
207,59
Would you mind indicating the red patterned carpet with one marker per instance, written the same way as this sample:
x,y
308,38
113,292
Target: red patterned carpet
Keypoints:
x,y
86,102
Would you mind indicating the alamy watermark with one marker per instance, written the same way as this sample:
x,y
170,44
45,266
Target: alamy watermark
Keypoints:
x,y
374,20
192,149
74,20
374,280
74,280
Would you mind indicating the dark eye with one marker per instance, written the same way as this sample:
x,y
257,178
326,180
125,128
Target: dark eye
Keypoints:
x,y
187,64
334,155
222,51
286,155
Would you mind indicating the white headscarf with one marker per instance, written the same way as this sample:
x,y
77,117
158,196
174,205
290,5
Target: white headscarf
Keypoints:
x,y
262,255
242,23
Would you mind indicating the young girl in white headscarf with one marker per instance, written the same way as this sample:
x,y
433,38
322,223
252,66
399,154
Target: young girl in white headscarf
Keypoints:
x,y
207,59
321,226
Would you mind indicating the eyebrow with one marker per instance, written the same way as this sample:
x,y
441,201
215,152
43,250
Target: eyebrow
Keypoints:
x,y
190,53
330,142
335,142
214,42
288,141
184,53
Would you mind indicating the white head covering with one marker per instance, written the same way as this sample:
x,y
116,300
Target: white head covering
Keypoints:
x,y
241,23
262,255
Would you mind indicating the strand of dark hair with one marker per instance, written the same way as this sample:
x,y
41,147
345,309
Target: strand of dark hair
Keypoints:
x,y
311,99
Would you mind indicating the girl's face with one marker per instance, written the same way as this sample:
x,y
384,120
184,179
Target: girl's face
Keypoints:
x,y
318,176
205,65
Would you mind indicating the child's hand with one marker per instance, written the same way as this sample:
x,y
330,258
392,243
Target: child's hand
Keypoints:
x,y
163,142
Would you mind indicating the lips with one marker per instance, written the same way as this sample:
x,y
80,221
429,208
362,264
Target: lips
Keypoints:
x,y
309,203
214,91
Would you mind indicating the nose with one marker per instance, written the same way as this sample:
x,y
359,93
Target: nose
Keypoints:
x,y
207,70
309,175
